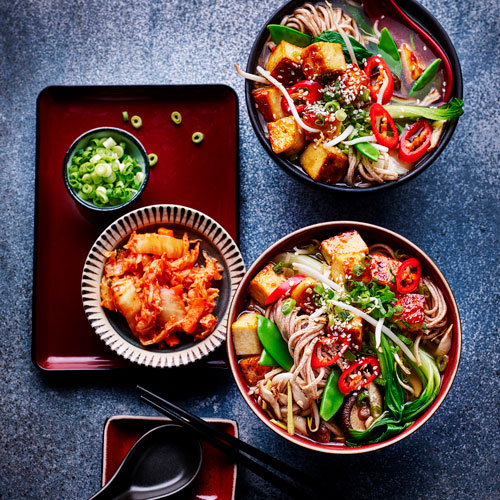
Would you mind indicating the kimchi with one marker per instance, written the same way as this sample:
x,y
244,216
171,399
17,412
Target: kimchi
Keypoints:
x,y
162,287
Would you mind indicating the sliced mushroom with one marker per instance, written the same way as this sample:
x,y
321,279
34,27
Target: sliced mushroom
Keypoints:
x,y
444,345
322,435
349,416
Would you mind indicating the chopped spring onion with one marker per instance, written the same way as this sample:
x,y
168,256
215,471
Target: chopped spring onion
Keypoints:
x,y
136,121
373,322
344,135
197,137
442,363
334,286
376,411
289,100
340,115
153,159
125,116
103,174
176,117
249,76
288,306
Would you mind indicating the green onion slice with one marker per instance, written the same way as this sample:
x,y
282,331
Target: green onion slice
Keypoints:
x,y
197,137
288,306
176,117
136,121
153,159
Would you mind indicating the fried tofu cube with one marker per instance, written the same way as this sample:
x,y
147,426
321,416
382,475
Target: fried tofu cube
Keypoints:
x,y
323,59
264,283
303,293
383,269
286,136
412,68
352,328
413,316
268,103
324,164
245,339
341,248
284,63
252,371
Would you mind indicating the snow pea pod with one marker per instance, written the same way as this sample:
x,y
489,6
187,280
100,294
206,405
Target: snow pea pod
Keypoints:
x,y
266,359
389,51
332,397
273,342
368,150
426,77
279,33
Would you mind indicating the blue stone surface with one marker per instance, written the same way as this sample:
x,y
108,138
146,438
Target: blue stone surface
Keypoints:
x,y
51,426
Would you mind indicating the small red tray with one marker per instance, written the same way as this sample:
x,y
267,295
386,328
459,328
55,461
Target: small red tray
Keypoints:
x,y
203,177
217,478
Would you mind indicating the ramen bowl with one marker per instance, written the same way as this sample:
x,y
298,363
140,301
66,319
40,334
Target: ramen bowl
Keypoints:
x,y
372,234
111,326
428,24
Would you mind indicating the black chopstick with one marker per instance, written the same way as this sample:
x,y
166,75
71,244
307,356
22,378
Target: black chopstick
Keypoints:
x,y
236,448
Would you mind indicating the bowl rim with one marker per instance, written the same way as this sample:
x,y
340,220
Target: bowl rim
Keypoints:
x,y
115,233
416,12
243,387
89,133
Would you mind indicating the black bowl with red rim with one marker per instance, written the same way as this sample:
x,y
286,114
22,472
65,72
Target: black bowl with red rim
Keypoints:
x,y
428,23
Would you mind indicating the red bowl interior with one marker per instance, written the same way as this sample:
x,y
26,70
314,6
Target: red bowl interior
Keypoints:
x,y
373,234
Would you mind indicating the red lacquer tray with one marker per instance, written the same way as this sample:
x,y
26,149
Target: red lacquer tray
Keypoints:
x,y
203,177
217,478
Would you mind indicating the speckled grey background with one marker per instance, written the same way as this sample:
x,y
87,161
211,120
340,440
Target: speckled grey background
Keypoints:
x,y
51,426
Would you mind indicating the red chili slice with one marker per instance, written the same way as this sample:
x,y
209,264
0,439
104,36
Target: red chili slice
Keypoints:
x,y
318,362
382,126
415,141
406,280
306,92
376,62
289,284
354,378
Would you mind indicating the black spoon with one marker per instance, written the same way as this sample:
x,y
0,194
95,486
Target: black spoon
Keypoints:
x,y
162,463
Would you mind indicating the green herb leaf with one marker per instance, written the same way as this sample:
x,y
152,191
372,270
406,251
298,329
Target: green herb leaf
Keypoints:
x,y
332,37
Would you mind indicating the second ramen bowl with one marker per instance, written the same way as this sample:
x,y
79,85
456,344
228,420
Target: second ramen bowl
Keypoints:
x,y
427,22
373,234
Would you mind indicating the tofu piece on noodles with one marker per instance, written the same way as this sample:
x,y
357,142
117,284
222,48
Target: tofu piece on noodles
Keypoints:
x,y
264,283
344,247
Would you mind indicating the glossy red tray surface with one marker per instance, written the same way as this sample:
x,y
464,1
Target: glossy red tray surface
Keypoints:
x,y
203,177
217,480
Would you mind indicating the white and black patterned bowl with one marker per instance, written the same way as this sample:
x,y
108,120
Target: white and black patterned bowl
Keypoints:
x,y
112,327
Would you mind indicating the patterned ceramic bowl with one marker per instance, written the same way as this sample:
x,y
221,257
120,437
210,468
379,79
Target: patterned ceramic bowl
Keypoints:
x,y
374,234
111,326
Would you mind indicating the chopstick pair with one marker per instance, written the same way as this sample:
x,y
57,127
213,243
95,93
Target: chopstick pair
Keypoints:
x,y
298,484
